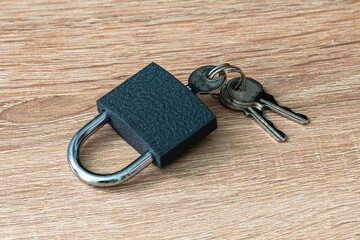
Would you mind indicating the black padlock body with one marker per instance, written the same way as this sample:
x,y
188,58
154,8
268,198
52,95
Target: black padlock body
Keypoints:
x,y
153,111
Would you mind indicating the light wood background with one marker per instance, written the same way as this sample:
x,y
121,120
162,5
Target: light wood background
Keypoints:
x,y
58,58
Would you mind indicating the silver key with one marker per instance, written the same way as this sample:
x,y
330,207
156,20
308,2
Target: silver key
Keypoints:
x,y
252,99
199,82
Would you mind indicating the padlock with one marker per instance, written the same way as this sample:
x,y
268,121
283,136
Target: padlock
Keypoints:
x,y
152,111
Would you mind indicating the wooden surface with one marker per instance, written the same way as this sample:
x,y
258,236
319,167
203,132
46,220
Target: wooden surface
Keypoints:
x,y
58,58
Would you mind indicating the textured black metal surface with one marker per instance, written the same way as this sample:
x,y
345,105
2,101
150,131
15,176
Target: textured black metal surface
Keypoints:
x,y
154,111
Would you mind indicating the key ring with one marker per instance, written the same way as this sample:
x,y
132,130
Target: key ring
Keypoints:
x,y
228,69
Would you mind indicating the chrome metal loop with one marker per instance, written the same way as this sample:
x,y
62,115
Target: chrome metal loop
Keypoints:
x,y
228,68
217,70
101,180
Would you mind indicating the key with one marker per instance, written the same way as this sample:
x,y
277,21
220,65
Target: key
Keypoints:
x,y
253,111
255,95
199,82
252,100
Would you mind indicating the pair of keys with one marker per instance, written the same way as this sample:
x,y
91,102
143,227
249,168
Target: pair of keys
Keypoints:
x,y
241,94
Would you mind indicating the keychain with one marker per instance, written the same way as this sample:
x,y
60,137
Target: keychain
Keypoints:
x,y
161,118
247,95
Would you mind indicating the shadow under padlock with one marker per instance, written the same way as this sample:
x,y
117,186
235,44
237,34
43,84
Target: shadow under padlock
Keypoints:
x,y
155,113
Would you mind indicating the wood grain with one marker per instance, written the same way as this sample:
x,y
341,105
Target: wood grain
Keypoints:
x,y
58,58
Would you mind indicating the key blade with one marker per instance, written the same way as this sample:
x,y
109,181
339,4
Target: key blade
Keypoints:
x,y
258,115
285,111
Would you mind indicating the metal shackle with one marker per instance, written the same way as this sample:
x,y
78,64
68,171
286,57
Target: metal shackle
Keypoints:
x,y
101,180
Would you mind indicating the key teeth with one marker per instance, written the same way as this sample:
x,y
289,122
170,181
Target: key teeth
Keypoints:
x,y
259,116
282,137
270,102
306,119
